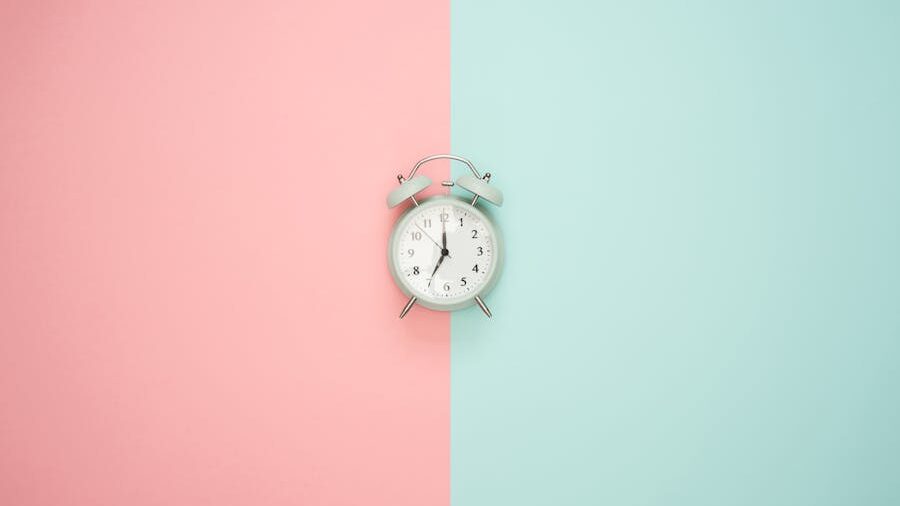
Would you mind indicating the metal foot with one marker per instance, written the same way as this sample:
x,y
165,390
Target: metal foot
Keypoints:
x,y
482,306
408,306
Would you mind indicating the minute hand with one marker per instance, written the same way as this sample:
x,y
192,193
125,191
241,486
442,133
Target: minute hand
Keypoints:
x,y
436,267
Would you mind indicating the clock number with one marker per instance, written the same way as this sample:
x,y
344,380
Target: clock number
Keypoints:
x,y
427,222
446,287
411,252
416,270
474,234
460,222
445,217
475,269
480,251
417,236
462,281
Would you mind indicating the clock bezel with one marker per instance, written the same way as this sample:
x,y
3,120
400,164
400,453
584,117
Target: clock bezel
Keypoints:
x,y
496,244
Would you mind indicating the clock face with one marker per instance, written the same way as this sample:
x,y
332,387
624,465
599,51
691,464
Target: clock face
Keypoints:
x,y
444,251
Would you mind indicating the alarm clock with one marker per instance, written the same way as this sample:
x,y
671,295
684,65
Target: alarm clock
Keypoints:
x,y
444,252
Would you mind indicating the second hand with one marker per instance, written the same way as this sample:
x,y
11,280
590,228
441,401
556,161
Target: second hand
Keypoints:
x,y
431,238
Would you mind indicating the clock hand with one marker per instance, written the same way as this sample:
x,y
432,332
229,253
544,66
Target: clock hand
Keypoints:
x,y
436,267
444,252
444,247
428,236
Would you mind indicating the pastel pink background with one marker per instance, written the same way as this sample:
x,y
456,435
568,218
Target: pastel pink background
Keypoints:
x,y
194,303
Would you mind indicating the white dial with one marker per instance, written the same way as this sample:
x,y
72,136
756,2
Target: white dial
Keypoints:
x,y
444,252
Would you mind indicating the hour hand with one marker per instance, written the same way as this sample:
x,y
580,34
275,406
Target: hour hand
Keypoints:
x,y
443,248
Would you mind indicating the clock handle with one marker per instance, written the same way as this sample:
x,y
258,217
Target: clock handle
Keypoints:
x,y
443,157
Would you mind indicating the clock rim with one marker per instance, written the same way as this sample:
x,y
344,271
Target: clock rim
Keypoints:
x,y
469,299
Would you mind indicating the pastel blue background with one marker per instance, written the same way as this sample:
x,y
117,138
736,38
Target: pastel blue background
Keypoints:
x,y
701,301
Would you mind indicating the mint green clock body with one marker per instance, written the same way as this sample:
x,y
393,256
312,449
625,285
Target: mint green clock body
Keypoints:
x,y
445,253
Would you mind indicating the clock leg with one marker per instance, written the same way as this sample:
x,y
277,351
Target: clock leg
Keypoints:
x,y
483,306
408,306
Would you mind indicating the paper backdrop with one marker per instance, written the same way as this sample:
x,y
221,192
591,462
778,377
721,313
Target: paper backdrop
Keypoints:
x,y
702,222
